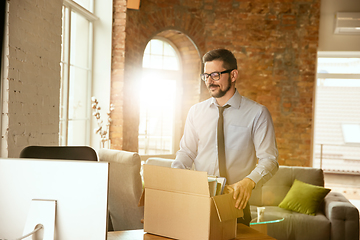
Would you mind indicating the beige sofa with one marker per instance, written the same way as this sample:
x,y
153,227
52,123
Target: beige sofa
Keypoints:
x,y
337,218
125,188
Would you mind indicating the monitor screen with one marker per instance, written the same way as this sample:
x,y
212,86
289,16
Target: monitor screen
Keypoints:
x,y
80,189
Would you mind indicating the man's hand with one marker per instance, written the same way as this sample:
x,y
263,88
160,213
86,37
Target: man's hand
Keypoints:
x,y
242,192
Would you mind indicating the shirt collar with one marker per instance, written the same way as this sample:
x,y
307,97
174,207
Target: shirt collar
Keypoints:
x,y
234,101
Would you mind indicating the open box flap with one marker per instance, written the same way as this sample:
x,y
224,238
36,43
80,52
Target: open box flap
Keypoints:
x,y
225,207
176,180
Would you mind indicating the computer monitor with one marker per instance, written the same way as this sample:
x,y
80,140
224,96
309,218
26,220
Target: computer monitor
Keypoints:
x,y
80,189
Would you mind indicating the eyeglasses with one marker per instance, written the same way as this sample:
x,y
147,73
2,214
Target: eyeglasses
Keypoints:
x,y
214,75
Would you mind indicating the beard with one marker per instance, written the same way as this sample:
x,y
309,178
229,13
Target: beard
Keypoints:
x,y
220,93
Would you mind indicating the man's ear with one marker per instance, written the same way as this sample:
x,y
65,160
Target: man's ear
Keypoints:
x,y
234,75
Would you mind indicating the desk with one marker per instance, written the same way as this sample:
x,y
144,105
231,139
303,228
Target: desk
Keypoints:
x,y
243,232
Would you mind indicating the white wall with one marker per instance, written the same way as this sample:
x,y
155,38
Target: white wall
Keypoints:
x,y
31,75
328,41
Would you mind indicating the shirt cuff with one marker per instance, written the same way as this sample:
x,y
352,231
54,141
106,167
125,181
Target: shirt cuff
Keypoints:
x,y
255,176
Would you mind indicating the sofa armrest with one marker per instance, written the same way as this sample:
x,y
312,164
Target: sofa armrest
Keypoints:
x,y
344,217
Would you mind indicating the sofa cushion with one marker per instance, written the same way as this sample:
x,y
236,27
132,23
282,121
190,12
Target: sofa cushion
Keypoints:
x,y
304,198
298,226
275,190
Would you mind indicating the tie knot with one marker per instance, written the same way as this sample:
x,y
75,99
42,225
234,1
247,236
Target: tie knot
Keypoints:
x,y
221,109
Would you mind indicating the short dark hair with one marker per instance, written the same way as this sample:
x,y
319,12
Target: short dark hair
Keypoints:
x,y
228,58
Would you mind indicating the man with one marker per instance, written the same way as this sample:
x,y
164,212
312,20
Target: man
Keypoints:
x,y
250,146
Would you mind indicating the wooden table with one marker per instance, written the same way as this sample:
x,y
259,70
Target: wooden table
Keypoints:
x,y
243,232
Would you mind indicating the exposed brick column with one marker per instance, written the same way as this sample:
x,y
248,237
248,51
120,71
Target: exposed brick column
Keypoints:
x,y
31,83
117,73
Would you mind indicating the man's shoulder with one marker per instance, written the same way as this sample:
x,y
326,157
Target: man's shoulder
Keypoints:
x,y
248,103
203,104
254,108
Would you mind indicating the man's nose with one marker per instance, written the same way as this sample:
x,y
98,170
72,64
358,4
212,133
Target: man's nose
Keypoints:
x,y
209,80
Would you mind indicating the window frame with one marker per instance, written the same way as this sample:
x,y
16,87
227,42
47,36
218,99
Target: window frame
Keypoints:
x,y
70,7
323,54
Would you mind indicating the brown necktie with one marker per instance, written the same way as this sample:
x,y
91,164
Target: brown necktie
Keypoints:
x,y
221,142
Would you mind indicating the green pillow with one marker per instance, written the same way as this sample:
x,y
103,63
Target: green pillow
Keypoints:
x,y
304,198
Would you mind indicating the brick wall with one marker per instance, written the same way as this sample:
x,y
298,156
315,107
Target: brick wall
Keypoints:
x,y
31,83
117,73
275,43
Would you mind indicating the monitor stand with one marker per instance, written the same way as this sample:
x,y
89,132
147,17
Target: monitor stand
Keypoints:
x,y
41,213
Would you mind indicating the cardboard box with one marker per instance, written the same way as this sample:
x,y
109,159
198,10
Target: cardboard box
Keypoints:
x,y
178,205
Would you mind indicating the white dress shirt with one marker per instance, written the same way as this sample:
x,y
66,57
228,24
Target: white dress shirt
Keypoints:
x,y
250,145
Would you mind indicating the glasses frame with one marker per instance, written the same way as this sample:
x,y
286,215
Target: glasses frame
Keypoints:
x,y
205,76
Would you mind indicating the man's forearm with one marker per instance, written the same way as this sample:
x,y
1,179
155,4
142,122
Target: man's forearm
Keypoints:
x,y
264,171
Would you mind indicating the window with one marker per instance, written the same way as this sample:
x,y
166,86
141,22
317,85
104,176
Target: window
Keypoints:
x,y
347,66
351,133
76,72
160,55
337,113
158,98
